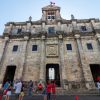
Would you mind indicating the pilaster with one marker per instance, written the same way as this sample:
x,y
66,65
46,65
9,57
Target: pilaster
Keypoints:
x,y
26,39
85,68
61,56
42,62
6,41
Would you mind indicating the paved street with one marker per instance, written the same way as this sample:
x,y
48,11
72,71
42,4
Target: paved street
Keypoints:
x,y
89,97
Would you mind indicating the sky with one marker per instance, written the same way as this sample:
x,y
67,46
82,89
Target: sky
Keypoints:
x,y
20,10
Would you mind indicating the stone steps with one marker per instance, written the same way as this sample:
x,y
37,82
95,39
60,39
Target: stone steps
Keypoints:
x,y
60,91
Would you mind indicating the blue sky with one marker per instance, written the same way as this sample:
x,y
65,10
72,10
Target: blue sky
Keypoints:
x,y
20,10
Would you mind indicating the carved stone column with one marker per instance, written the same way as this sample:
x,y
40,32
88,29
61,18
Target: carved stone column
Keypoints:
x,y
42,62
85,68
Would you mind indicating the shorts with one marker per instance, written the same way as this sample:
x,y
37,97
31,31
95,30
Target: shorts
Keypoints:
x,y
8,93
22,94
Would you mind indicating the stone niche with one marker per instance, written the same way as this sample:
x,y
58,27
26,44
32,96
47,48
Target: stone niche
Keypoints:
x,y
52,50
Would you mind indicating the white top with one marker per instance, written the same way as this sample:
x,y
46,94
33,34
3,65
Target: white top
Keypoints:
x,y
18,87
98,84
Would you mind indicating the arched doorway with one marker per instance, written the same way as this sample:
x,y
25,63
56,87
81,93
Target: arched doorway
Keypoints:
x,y
52,73
9,74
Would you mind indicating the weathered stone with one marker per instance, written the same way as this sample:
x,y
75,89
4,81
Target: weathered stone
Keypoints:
x,y
73,65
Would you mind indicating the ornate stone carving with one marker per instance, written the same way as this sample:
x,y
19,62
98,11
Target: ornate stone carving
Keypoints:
x,y
52,50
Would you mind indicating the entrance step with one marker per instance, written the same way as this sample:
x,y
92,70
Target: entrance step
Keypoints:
x,y
61,91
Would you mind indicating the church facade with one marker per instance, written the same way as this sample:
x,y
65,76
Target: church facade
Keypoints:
x,y
70,49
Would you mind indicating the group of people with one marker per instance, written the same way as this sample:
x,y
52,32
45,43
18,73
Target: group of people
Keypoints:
x,y
48,90
17,88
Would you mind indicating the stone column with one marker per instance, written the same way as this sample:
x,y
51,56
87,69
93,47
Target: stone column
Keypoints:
x,y
42,62
85,68
3,56
61,56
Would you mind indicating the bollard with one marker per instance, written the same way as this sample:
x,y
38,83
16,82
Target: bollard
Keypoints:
x,y
76,98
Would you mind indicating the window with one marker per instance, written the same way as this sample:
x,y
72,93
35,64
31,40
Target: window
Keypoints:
x,y
51,16
89,46
19,31
69,46
15,48
51,30
83,28
34,48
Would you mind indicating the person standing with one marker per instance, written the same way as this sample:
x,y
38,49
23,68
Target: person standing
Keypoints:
x,y
44,92
22,92
49,87
6,85
98,85
8,94
30,87
53,90
18,88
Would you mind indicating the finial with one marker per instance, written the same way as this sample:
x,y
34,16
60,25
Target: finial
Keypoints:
x,y
72,16
30,18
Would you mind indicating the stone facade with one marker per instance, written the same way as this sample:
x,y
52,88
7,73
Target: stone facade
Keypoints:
x,y
51,34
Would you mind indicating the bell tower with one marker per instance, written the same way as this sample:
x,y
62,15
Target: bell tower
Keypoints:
x,y
51,13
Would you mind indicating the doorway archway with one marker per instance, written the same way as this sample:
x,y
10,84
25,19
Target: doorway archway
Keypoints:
x,y
95,69
9,74
52,73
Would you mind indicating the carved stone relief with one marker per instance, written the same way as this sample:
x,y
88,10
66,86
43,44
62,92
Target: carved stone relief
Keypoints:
x,y
52,50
